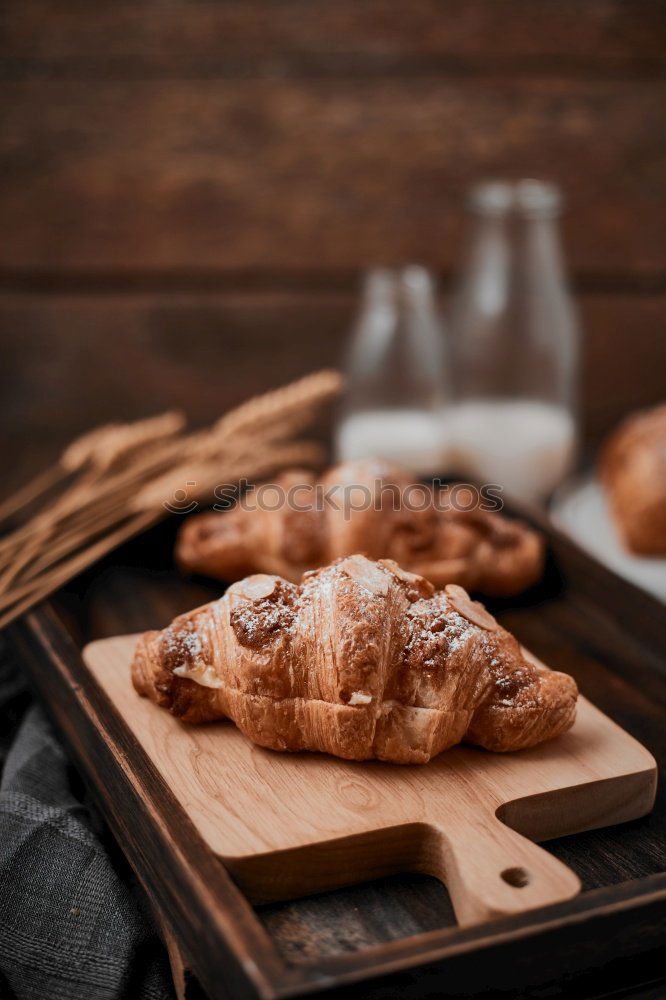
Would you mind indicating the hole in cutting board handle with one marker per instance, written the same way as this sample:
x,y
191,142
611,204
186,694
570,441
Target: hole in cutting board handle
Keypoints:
x,y
516,877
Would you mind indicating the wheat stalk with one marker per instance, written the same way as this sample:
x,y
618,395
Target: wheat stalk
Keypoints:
x,y
117,480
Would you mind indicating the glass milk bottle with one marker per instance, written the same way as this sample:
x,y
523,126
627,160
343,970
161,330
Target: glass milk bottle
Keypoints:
x,y
514,342
395,374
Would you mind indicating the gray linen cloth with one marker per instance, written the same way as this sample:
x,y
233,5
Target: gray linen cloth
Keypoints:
x,y
74,922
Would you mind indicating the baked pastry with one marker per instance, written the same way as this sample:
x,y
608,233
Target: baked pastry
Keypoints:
x,y
633,473
372,507
360,660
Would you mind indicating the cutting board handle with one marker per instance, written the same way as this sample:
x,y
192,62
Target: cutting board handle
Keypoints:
x,y
491,871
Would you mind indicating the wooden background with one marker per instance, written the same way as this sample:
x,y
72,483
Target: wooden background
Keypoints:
x,y
190,189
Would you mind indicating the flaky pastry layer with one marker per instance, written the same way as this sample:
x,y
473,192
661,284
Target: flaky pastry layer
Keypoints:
x,y
361,660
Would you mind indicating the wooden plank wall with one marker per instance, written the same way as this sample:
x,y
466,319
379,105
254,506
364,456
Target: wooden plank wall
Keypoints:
x,y
191,187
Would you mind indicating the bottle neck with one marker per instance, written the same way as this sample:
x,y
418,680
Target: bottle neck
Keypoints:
x,y
512,259
514,333
537,241
396,352
527,240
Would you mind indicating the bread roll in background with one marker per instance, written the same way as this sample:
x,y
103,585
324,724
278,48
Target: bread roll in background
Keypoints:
x,y
633,472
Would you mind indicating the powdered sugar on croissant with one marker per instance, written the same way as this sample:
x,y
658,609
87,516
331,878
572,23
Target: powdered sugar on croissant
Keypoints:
x,y
361,660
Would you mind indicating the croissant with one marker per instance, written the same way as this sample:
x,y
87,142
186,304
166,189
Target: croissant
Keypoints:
x,y
361,660
633,472
363,507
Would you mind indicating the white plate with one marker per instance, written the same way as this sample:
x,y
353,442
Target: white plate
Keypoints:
x,y
579,508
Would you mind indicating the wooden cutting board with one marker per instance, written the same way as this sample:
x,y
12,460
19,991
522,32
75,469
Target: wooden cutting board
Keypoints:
x,y
287,825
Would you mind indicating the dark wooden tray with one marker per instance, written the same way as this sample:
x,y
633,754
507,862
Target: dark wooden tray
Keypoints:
x,y
397,936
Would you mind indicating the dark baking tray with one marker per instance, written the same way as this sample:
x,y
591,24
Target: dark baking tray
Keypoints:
x,y
397,936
